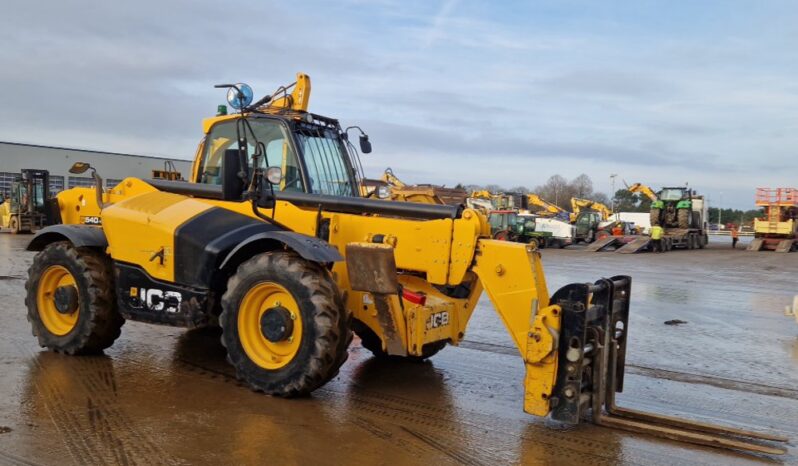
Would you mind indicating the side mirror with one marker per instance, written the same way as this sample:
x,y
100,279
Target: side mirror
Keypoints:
x,y
232,184
274,175
79,167
365,145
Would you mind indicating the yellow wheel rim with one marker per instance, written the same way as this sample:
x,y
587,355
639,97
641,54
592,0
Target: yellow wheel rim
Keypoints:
x,y
259,299
55,322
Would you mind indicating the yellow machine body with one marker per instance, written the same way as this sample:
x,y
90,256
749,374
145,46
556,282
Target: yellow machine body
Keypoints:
x,y
578,205
644,190
548,209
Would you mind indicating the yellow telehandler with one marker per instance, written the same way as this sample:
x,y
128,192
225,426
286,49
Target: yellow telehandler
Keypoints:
x,y
271,241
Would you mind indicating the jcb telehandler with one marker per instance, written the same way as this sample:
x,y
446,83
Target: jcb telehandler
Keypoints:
x,y
271,241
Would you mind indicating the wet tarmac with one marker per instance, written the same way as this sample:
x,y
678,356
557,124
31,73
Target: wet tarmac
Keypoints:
x,y
166,396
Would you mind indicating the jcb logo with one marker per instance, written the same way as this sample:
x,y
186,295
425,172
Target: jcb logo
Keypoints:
x,y
93,220
154,299
438,319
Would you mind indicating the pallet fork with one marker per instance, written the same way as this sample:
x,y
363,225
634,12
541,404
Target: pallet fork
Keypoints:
x,y
595,324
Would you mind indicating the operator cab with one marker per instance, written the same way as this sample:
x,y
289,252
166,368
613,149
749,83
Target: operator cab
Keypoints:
x,y
312,151
673,194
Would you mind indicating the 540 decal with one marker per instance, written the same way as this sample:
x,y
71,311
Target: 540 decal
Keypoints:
x,y
91,220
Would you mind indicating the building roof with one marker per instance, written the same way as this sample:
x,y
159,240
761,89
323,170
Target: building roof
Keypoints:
x,y
94,151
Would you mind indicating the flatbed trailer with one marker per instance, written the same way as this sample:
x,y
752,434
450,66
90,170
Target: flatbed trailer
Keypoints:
x,y
684,238
674,238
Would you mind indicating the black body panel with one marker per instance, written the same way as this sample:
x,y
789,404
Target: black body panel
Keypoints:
x,y
201,241
207,242
143,298
343,204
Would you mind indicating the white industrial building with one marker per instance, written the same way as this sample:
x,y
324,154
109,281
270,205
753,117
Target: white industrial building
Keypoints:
x,y
113,167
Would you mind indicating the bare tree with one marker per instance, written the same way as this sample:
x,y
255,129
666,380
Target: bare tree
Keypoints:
x,y
556,190
582,186
494,188
600,197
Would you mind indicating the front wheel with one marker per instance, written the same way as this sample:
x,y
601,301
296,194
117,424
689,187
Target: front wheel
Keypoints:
x,y
284,324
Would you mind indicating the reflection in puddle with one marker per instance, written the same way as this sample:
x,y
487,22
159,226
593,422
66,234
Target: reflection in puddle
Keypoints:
x,y
667,294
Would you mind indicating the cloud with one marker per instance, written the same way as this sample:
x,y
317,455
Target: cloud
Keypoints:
x,y
504,93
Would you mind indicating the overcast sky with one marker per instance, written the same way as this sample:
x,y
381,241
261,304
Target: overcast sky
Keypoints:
x,y
455,91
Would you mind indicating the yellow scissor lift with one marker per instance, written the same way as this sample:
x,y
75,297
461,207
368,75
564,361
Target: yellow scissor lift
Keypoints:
x,y
778,230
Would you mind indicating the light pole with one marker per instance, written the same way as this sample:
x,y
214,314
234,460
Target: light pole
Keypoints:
x,y
612,192
720,211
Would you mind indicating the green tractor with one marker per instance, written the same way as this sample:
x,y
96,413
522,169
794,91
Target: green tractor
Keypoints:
x,y
507,225
674,209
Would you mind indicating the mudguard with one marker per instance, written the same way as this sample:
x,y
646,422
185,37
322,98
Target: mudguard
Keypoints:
x,y
309,247
78,235
213,239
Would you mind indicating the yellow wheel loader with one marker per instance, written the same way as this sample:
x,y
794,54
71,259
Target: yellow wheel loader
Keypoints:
x,y
271,241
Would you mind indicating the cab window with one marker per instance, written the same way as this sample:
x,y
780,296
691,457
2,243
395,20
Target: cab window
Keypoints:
x,y
271,133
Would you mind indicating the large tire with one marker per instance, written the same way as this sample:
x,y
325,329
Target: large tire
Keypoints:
x,y
683,217
534,243
654,216
95,322
319,324
372,342
13,225
503,235
695,219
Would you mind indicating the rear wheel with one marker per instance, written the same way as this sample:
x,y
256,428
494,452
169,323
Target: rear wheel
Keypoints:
x,y
284,324
534,243
13,225
683,217
70,300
